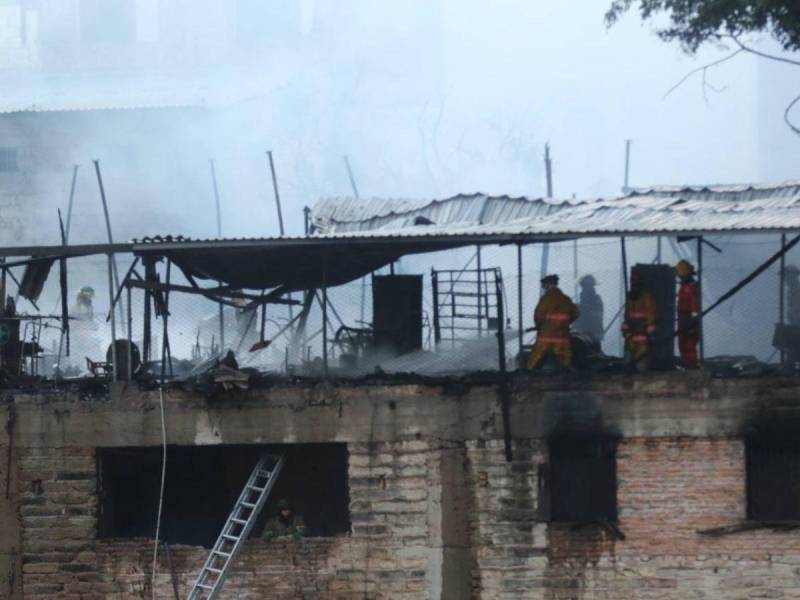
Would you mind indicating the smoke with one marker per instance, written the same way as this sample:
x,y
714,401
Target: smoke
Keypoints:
x,y
426,99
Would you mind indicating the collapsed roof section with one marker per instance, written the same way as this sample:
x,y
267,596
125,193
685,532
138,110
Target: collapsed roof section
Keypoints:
x,y
659,210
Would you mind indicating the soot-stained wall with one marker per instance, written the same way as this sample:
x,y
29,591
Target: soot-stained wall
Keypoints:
x,y
435,510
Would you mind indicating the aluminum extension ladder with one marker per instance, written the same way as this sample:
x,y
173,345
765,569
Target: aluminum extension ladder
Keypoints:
x,y
237,528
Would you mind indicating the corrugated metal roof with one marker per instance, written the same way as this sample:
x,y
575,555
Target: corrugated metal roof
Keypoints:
x,y
639,215
340,215
668,209
740,192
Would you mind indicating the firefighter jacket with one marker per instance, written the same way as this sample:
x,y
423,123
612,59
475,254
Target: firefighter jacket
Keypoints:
x,y
688,306
640,317
553,316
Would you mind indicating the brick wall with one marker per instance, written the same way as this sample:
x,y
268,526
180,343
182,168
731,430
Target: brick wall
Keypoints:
x,y
434,519
387,555
668,489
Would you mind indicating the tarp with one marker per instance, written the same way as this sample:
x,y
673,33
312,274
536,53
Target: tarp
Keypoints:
x,y
34,278
291,267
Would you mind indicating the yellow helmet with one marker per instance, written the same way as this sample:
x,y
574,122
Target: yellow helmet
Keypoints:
x,y
684,268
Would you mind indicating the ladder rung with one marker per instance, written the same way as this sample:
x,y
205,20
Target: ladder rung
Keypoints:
x,y
211,578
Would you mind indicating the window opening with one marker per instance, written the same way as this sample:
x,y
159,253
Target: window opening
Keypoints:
x,y
203,483
583,479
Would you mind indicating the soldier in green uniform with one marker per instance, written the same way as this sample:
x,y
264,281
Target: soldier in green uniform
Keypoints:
x,y
286,524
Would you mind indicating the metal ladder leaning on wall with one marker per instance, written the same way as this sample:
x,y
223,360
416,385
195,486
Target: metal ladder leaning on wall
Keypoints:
x,y
237,528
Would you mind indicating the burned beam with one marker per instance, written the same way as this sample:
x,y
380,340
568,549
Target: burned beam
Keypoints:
x,y
214,293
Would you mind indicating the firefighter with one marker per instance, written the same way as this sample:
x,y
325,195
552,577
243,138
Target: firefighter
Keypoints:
x,y
552,317
688,315
83,308
287,524
590,306
639,324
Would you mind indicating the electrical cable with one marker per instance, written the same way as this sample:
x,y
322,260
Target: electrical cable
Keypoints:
x,y
161,492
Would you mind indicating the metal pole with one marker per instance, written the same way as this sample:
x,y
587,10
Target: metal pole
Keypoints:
x,y
350,177
108,230
700,294
505,400
130,336
275,188
519,297
627,164
501,321
480,291
437,332
71,202
111,289
324,322
782,291
548,170
216,196
306,220
221,313
63,282
624,266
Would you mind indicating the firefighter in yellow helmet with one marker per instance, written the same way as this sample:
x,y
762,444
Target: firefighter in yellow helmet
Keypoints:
x,y
552,317
639,324
83,307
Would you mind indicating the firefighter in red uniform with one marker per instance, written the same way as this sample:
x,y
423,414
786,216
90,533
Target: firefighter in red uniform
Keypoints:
x,y
688,315
553,316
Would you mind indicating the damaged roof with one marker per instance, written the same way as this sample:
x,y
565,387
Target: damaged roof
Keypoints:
x,y
663,210
338,215
356,237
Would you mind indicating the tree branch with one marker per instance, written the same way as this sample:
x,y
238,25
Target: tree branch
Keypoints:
x,y
747,48
786,115
703,69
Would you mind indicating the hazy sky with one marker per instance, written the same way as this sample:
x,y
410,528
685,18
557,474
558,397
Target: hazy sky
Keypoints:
x,y
554,67
430,107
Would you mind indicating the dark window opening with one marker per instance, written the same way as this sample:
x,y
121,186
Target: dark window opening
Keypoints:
x,y
8,160
204,482
583,479
773,478
107,21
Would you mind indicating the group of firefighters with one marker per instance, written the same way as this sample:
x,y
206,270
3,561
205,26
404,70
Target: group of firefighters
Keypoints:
x,y
556,313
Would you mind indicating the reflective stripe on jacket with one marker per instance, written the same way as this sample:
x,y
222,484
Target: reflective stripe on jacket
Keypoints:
x,y
553,315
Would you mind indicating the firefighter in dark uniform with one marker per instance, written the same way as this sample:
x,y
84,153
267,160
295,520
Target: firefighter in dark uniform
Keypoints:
x,y
590,305
287,524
